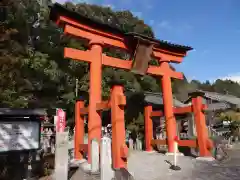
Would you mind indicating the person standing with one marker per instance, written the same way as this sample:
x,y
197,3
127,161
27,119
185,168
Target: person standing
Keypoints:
x,y
133,136
220,148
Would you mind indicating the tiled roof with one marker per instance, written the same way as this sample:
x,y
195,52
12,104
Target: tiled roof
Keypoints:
x,y
156,98
224,98
218,106
225,101
57,9
22,112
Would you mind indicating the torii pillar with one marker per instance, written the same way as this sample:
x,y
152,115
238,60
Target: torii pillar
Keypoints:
x,y
171,125
95,88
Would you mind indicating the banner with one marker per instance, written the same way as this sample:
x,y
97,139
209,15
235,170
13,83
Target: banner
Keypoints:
x,y
60,120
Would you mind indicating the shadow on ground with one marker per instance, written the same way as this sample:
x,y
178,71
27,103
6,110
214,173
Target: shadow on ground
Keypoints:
x,y
186,151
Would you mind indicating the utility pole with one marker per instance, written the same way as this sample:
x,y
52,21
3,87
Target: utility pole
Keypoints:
x,y
76,88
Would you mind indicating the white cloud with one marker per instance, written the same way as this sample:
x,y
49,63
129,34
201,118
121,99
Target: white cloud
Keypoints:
x,y
234,77
190,78
137,13
63,1
74,1
110,6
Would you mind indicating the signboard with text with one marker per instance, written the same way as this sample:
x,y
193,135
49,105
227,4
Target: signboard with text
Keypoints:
x,y
19,135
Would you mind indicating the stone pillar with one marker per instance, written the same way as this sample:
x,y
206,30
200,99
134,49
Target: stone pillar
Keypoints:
x,y
139,144
178,128
61,156
95,156
107,172
191,126
130,144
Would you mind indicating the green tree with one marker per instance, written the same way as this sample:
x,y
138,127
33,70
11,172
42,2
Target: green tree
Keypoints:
x,y
33,54
34,72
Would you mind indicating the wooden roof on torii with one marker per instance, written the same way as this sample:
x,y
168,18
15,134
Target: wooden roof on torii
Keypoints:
x,y
79,25
60,10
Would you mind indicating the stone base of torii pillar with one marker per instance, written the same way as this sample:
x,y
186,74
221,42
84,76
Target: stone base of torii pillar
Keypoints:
x,y
172,154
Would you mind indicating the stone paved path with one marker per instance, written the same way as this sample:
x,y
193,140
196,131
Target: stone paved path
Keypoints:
x,y
80,175
154,167
146,166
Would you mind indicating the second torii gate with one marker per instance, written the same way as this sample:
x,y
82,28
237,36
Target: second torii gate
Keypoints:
x,y
141,48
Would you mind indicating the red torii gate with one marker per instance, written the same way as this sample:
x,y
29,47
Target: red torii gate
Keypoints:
x,y
102,35
203,143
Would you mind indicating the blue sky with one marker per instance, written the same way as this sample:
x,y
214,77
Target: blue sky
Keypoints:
x,y
211,27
